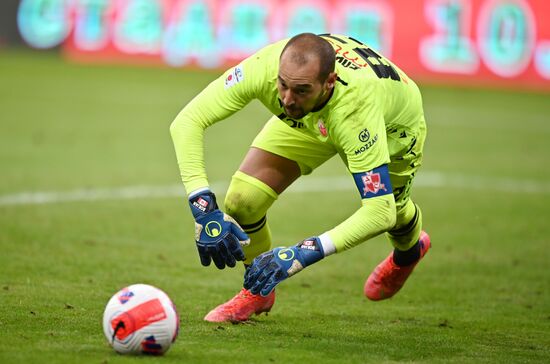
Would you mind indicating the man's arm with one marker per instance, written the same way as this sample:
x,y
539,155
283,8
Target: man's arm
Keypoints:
x,y
224,96
362,139
271,268
376,215
218,236
216,102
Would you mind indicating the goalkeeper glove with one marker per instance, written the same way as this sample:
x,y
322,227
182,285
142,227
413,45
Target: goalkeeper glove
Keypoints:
x,y
218,236
272,267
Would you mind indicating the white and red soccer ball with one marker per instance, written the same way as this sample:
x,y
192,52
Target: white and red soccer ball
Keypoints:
x,y
140,319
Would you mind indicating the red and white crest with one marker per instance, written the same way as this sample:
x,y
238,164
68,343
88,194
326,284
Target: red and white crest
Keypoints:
x,y
372,183
322,128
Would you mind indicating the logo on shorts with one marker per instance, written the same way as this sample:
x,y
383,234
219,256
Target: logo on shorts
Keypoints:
x,y
372,183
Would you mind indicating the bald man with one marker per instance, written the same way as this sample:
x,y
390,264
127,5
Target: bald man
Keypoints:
x,y
329,94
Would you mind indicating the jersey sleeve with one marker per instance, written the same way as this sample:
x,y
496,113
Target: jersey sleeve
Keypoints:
x,y
361,136
361,139
220,99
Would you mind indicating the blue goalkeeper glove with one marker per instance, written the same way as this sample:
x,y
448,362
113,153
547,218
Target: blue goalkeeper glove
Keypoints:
x,y
218,236
272,267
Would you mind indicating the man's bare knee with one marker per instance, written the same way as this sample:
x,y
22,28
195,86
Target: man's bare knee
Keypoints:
x,y
275,171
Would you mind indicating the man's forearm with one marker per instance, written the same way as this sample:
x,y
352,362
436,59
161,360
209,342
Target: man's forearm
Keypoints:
x,y
377,215
188,143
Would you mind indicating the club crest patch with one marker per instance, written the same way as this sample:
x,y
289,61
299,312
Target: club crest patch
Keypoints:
x,y
322,128
373,183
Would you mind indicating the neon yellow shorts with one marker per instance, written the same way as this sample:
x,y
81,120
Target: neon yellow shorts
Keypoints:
x,y
309,152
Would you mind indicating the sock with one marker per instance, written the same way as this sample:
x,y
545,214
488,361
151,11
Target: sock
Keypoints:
x,y
247,201
407,257
407,229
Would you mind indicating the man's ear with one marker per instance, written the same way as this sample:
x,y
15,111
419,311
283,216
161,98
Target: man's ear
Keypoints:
x,y
331,80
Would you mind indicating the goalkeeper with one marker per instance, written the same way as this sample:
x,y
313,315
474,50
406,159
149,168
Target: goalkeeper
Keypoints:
x,y
328,94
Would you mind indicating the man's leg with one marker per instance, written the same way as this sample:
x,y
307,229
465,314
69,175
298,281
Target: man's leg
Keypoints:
x,y
253,189
410,243
279,155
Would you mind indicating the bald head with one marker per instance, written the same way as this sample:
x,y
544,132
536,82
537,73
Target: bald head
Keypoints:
x,y
302,49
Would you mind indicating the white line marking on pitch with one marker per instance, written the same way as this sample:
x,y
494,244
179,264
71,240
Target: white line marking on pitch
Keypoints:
x,y
307,184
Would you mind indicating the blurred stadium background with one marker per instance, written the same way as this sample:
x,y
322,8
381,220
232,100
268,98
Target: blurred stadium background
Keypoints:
x,y
90,198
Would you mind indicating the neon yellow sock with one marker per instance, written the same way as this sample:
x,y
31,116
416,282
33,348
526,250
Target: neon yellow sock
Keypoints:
x,y
407,228
247,201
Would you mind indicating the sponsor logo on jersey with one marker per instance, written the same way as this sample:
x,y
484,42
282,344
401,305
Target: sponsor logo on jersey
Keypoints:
x,y
347,63
294,124
322,128
346,58
372,183
236,76
367,145
364,135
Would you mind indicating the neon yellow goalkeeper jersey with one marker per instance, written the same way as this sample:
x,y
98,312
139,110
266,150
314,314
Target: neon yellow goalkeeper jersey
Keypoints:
x,y
372,97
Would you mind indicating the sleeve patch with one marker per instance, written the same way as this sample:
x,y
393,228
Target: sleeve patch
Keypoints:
x,y
374,183
235,76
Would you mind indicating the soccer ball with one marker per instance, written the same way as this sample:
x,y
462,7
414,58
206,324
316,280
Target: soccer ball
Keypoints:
x,y
140,319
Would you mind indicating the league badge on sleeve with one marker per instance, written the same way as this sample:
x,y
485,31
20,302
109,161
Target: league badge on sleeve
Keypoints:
x,y
235,76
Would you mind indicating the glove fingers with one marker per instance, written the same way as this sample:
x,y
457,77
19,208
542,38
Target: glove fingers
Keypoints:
x,y
225,254
260,282
246,278
269,285
203,254
250,276
217,258
234,248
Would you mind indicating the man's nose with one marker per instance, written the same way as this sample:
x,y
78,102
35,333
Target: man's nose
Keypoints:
x,y
288,100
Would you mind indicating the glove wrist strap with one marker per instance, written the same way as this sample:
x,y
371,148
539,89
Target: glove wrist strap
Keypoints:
x,y
203,203
311,250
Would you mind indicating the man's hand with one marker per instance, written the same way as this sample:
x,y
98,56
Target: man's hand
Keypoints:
x,y
272,267
218,236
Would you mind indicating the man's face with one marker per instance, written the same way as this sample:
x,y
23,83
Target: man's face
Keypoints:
x,y
299,87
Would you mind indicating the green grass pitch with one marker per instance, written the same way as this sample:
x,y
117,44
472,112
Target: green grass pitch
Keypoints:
x,y
482,294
